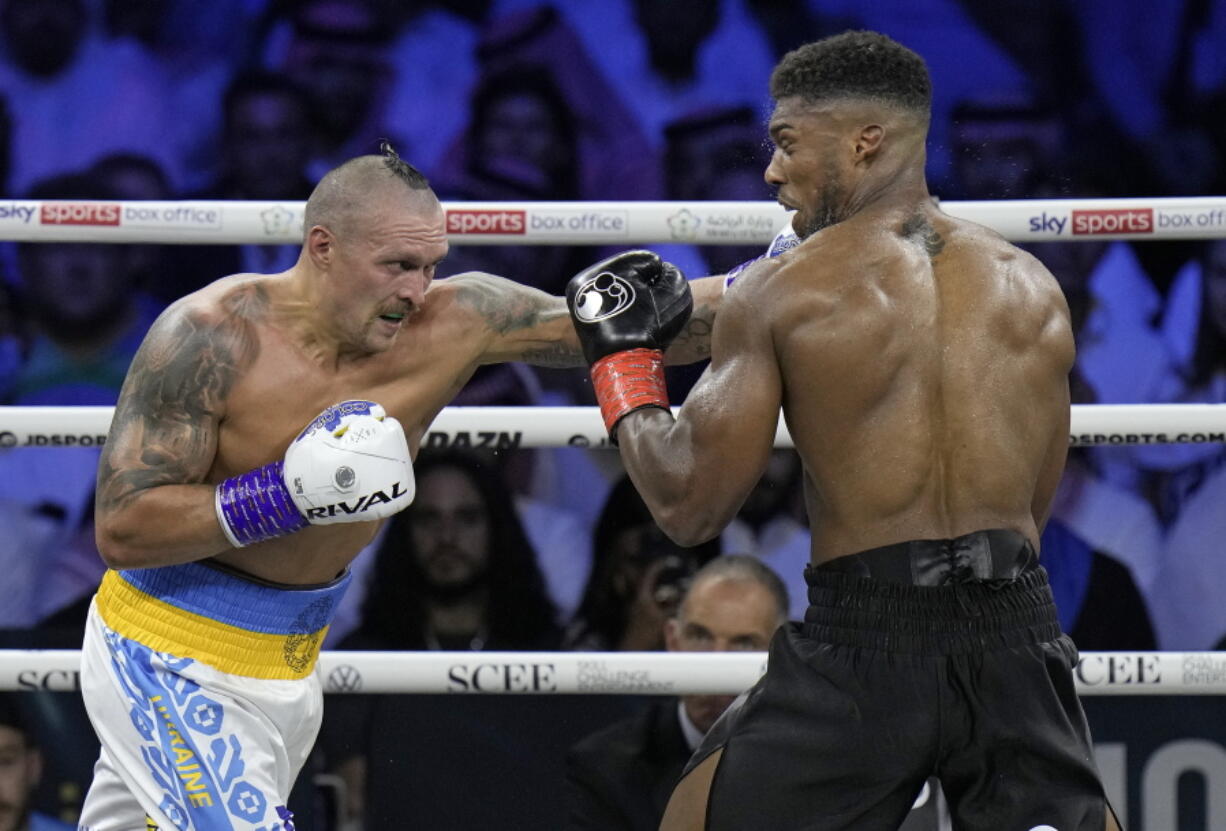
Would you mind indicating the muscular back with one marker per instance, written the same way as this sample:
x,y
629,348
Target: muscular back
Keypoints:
x,y
924,364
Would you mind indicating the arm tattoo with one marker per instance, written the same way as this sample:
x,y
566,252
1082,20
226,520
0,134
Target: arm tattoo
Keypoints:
x,y
694,340
164,429
506,306
557,356
537,321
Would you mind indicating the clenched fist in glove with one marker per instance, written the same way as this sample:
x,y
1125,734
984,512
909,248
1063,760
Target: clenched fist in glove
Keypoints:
x,y
350,464
626,310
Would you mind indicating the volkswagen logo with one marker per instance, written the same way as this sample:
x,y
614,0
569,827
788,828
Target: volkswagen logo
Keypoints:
x,y
344,678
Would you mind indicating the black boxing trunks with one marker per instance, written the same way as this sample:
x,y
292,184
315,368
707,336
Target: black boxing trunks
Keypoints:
x,y
928,658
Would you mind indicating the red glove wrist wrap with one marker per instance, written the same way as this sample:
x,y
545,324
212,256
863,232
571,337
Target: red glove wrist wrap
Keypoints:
x,y
626,381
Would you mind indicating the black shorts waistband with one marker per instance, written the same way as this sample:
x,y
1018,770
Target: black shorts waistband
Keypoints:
x,y
981,555
981,591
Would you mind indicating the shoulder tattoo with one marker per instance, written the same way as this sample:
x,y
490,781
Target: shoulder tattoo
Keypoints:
x,y
921,230
163,431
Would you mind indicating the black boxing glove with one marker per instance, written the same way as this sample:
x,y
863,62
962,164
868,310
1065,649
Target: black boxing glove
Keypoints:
x,y
627,310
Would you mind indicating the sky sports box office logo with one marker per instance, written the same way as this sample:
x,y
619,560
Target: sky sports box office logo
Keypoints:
x,y
1090,222
1128,221
105,213
562,222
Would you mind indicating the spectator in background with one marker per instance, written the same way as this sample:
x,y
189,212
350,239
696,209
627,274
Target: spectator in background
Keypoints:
x,y
1187,611
717,154
1197,337
557,532
86,319
86,312
456,570
772,526
621,777
267,141
638,577
713,154
667,59
136,178
434,59
21,765
521,144
615,158
1006,148
81,95
1097,598
337,50
193,49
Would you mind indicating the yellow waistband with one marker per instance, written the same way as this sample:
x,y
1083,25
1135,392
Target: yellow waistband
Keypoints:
x,y
166,628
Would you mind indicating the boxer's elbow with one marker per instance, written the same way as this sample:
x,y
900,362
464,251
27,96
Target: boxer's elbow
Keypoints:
x,y
688,524
115,546
123,542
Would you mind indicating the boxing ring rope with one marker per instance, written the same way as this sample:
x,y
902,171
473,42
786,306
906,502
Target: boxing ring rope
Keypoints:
x,y
622,673
511,427
620,224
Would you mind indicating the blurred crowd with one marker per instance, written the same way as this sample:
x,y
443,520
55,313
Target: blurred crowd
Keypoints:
x,y
608,100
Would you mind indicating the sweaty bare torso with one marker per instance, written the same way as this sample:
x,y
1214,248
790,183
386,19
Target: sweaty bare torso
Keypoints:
x,y
282,387
925,368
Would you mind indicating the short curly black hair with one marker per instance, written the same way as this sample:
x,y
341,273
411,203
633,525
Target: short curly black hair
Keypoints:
x,y
855,64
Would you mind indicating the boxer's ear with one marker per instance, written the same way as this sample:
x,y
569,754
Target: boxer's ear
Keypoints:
x,y
868,141
320,245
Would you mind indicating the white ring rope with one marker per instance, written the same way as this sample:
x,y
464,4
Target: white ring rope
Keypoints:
x,y
623,673
510,427
592,223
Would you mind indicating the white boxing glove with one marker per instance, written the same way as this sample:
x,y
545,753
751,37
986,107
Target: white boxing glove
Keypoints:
x,y
350,464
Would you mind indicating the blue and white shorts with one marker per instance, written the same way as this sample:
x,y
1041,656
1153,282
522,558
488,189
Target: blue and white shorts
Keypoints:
x,y
201,686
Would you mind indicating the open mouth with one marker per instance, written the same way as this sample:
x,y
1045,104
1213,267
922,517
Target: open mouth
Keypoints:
x,y
394,318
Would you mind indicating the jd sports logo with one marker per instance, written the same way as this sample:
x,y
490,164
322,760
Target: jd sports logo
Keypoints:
x,y
604,296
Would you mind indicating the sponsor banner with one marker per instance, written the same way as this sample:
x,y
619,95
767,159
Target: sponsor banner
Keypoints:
x,y
79,213
1089,439
694,224
169,215
1162,760
17,213
1191,221
1113,221
595,224
503,677
486,221
10,439
1188,673
490,439
1196,221
343,678
53,680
